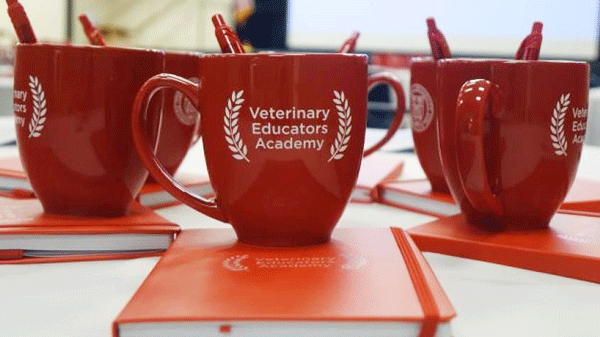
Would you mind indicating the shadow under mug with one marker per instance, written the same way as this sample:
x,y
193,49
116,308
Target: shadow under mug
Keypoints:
x,y
72,107
510,137
283,138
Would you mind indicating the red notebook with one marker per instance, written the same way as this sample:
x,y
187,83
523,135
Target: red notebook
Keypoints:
x,y
417,196
153,195
375,169
583,196
27,235
365,282
14,184
13,180
570,247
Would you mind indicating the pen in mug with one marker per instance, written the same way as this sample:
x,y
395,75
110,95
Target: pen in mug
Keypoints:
x,y
350,44
439,46
91,31
20,22
228,39
531,45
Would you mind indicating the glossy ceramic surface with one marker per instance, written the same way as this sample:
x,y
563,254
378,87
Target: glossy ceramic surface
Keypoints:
x,y
180,127
423,113
283,138
73,115
511,137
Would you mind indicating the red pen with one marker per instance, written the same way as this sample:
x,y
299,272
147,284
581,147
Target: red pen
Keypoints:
x,y
439,46
531,45
92,33
350,44
11,254
20,22
228,39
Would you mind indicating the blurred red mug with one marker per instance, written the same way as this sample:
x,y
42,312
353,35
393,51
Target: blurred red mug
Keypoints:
x,y
72,107
423,113
283,138
511,135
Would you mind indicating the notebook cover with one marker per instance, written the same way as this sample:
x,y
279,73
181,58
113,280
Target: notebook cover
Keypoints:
x,y
12,169
584,196
417,196
26,217
570,247
375,169
152,194
362,275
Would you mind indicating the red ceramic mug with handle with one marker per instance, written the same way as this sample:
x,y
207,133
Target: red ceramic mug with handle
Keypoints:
x,y
511,135
72,107
283,138
423,114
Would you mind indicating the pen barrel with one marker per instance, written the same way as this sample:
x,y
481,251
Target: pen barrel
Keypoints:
x,y
96,38
228,41
21,23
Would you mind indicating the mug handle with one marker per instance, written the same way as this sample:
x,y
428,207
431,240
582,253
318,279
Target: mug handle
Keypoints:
x,y
197,132
390,79
477,100
140,107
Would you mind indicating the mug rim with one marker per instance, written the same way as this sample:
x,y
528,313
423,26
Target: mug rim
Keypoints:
x,y
92,48
497,61
278,55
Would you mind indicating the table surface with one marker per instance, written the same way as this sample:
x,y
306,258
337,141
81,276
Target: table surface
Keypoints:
x,y
83,298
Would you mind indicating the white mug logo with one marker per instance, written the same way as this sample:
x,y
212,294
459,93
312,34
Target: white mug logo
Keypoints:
x,y
557,125
38,117
184,110
421,108
263,127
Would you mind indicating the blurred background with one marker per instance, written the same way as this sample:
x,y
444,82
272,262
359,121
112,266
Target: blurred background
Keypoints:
x,y
392,31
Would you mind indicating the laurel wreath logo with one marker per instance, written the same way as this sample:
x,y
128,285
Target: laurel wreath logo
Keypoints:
x,y
344,129
234,263
557,127
36,124
231,127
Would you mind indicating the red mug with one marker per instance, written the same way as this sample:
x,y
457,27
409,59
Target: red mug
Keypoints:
x,y
423,113
510,137
72,107
180,127
283,138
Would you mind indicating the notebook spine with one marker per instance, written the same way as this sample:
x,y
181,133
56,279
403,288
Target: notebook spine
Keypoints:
x,y
417,276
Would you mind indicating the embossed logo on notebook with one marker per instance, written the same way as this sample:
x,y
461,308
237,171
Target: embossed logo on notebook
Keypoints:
x,y
245,262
